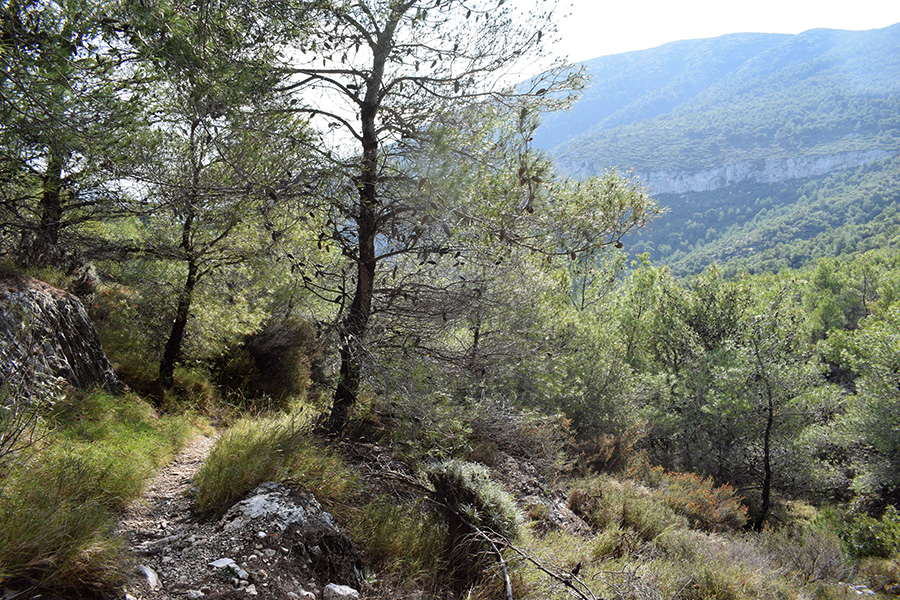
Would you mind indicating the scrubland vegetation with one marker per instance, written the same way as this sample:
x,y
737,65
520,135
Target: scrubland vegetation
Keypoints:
x,y
651,428
434,333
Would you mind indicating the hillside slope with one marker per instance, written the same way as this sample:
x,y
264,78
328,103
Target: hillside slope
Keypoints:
x,y
738,121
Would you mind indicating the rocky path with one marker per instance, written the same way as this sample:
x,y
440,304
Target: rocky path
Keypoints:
x,y
277,543
166,501
159,518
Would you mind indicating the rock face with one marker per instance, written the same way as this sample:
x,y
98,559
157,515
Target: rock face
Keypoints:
x,y
46,333
769,170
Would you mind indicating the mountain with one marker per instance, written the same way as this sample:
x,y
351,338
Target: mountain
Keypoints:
x,y
744,136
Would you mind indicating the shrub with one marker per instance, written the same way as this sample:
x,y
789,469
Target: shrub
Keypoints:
x,y
470,498
584,502
709,582
130,332
608,453
275,362
627,505
867,536
881,575
539,439
616,542
705,505
812,552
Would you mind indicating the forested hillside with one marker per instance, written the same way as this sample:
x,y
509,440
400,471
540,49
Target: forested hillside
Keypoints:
x,y
319,233
720,128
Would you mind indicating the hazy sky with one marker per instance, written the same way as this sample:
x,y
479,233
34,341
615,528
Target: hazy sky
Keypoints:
x,y
601,27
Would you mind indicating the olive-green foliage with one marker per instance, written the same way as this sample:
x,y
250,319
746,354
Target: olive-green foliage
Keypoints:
x,y
880,574
468,489
474,508
131,323
811,552
254,451
866,536
874,414
57,510
625,513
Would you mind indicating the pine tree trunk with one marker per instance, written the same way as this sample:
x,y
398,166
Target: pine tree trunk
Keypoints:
x,y
765,494
172,352
40,247
356,323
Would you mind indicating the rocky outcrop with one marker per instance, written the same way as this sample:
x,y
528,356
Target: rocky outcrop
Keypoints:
x,y
770,170
45,335
276,543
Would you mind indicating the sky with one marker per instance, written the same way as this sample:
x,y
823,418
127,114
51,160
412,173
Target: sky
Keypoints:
x,y
600,27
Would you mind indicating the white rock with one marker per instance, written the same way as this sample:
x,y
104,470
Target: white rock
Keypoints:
x,y
194,594
251,590
150,575
334,591
269,505
223,563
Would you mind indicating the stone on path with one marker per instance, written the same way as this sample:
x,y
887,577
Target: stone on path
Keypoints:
x,y
339,592
149,575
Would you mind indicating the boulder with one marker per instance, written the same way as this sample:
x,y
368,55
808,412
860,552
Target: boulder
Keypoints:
x,y
334,591
297,520
45,334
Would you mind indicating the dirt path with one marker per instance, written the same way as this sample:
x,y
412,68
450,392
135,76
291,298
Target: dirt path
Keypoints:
x,y
275,545
166,501
161,517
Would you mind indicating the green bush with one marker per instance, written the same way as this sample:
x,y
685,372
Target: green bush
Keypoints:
x,y
867,536
121,317
472,500
627,505
275,362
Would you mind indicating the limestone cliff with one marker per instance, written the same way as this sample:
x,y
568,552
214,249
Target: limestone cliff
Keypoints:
x,y
45,332
770,170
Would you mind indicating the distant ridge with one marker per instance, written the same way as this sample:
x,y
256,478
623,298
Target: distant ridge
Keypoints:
x,y
748,110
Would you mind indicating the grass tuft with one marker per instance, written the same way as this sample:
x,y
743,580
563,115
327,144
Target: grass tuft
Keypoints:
x,y
57,512
254,451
